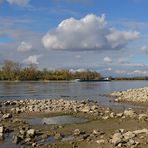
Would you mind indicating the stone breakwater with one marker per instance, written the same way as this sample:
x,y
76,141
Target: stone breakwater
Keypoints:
x,y
131,95
115,130
50,105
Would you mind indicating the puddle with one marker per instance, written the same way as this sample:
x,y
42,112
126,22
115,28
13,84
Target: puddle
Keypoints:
x,y
7,142
59,120
68,138
49,140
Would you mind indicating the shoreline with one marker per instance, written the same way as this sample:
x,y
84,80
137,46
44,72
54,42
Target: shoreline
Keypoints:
x,y
100,130
135,96
62,80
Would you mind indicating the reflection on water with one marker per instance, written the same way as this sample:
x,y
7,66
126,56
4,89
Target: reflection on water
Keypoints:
x,y
74,90
59,120
7,142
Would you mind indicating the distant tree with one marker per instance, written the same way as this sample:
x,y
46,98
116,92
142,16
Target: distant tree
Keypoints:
x,y
11,70
30,73
14,71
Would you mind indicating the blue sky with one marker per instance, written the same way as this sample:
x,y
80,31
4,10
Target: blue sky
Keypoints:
x,y
109,36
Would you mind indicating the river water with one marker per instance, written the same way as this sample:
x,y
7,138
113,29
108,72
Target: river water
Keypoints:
x,y
68,90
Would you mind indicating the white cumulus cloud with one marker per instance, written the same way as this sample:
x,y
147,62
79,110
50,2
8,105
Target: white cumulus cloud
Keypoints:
x,y
120,38
107,59
32,59
24,46
18,2
88,33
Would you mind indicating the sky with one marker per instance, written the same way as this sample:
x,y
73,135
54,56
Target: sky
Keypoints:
x,y
108,36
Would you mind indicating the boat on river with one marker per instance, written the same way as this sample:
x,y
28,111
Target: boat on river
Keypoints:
x,y
94,80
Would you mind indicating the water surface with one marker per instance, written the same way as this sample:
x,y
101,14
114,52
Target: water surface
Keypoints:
x,y
58,120
68,90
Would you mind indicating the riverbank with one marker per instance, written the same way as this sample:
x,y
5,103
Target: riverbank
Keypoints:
x,y
139,95
103,127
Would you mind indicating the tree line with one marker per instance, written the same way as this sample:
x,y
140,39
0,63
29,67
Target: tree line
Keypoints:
x,y
12,71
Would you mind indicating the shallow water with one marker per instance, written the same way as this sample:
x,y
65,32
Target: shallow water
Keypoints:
x,y
58,120
68,90
7,142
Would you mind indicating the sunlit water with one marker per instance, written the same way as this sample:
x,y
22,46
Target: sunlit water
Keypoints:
x,y
59,120
68,90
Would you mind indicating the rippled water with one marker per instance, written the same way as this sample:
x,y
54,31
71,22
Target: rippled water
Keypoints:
x,y
68,90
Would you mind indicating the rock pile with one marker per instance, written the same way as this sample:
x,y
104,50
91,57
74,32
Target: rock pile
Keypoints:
x,y
26,134
124,138
131,95
49,105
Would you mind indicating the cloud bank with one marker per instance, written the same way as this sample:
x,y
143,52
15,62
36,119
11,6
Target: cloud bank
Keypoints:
x,y
87,34
18,2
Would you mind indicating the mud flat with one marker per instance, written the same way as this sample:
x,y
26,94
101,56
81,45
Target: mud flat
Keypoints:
x,y
89,125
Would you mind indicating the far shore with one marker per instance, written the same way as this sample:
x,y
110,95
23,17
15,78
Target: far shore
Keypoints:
x,y
61,81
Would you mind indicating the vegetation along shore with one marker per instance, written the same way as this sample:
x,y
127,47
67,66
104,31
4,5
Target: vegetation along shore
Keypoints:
x,y
12,71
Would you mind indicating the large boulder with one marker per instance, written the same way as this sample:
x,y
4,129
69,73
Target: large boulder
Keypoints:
x,y
1,129
129,113
16,139
117,138
7,116
58,136
77,132
86,109
143,117
129,135
141,131
30,133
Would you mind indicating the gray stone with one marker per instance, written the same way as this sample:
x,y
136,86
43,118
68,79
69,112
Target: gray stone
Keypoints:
x,y
129,113
30,133
112,114
122,130
86,109
131,142
34,144
1,129
22,133
141,131
117,138
77,132
16,139
119,114
101,141
27,140
58,136
143,116
105,117
7,116
129,135
96,132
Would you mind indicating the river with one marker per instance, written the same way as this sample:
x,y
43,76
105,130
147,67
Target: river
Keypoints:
x,y
68,90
